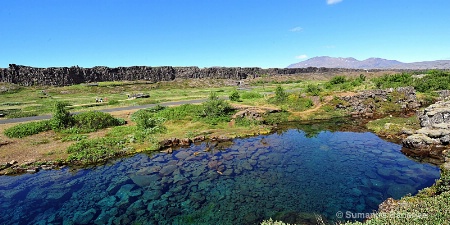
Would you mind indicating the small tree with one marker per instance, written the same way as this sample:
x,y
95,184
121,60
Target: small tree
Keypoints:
x,y
280,95
235,97
264,76
313,89
215,107
61,117
146,121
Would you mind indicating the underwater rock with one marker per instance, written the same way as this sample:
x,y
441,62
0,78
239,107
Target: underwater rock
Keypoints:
x,y
167,170
151,195
107,202
197,197
213,164
372,202
355,192
182,155
196,174
246,165
84,217
141,180
385,172
227,172
135,206
398,191
125,192
377,185
106,216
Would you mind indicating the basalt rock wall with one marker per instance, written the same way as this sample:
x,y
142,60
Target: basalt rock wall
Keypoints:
x,y
62,76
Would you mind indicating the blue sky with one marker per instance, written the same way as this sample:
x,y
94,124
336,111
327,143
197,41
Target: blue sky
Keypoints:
x,y
205,33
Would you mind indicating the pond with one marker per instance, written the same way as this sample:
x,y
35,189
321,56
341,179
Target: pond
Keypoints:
x,y
288,176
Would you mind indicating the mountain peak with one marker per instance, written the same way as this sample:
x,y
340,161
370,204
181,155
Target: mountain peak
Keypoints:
x,y
370,63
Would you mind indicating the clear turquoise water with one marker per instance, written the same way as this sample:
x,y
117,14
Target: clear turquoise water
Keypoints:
x,y
286,176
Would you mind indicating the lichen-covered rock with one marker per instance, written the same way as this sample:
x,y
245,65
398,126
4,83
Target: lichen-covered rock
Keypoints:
x,y
438,113
420,141
365,102
435,131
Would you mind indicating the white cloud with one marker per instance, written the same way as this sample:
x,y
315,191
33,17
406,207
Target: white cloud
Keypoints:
x,y
331,2
301,57
296,29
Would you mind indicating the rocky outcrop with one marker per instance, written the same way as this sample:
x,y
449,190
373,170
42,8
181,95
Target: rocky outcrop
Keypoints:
x,y
62,76
435,127
369,102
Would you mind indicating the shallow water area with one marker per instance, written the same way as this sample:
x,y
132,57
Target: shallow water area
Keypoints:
x,y
286,176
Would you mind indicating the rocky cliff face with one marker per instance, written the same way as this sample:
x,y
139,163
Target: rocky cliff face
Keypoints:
x,y
62,76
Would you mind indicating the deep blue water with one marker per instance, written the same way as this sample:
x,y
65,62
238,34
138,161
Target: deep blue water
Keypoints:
x,y
286,176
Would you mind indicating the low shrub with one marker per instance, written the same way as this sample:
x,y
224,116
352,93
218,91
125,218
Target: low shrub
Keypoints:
x,y
338,80
96,150
61,116
113,102
343,83
250,95
95,120
280,95
28,129
156,108
215,107
313,89
435,80
146,121
394,80
234,96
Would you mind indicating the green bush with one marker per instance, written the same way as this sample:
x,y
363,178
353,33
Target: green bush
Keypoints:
x,y
28,129
113,102
146,121
96,150
186,111
215,107
343,83
251,95
394,80
234,96
280,95
338,80
435,80
95,120
313,89
61,117
156,108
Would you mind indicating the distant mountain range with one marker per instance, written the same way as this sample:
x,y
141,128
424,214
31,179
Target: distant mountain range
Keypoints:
x,y
371,63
